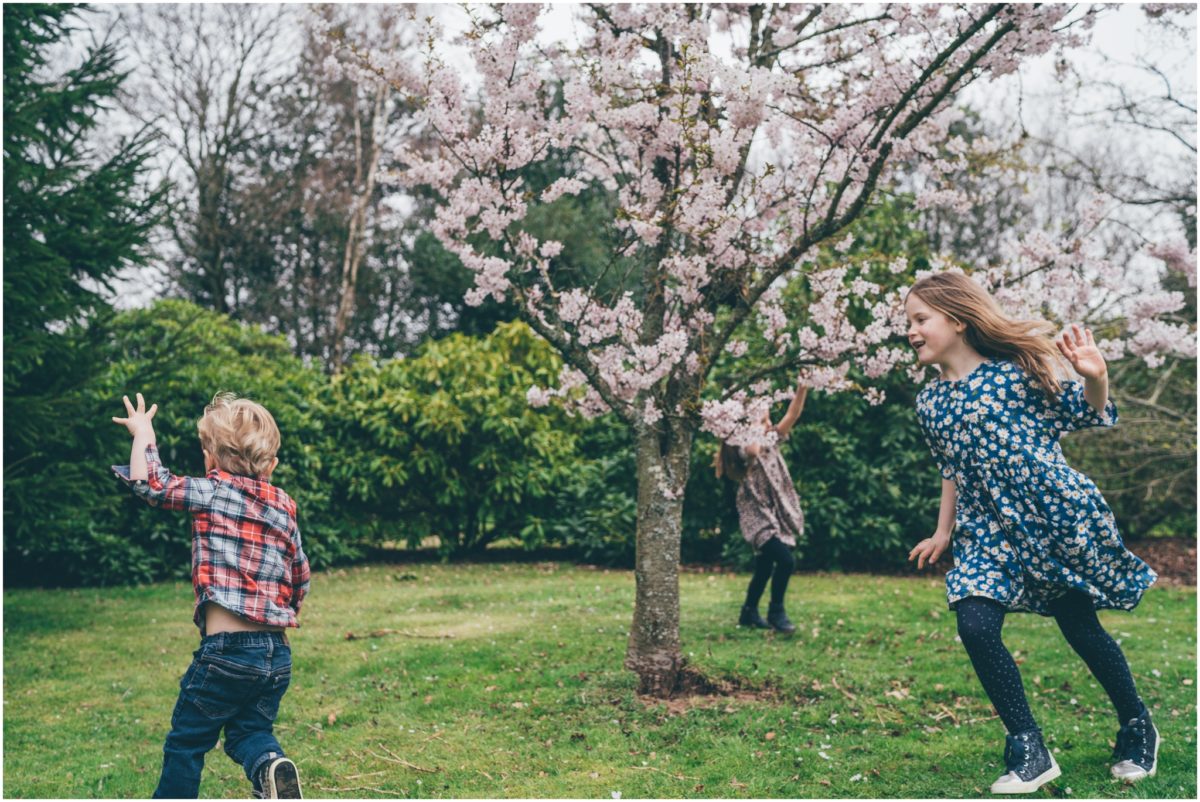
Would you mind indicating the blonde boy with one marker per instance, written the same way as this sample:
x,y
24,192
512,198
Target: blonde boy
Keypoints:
x,y
250,576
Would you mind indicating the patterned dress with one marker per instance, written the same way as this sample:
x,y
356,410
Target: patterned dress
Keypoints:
x,y
1028,526
767,503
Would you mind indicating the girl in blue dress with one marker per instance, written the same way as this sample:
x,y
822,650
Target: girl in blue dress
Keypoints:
x,y
1028,532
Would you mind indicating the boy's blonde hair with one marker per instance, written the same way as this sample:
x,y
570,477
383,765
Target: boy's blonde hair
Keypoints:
x,y
1029,343
239,434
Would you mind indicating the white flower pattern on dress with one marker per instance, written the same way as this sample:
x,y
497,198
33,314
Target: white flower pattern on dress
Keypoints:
x,y
1029,527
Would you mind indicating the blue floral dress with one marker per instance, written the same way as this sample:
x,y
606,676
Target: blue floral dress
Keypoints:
x,y
1028,526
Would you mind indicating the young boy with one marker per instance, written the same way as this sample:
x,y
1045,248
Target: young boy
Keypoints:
x,y
250,576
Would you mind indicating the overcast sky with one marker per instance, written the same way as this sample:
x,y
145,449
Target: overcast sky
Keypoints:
x,y
1121,39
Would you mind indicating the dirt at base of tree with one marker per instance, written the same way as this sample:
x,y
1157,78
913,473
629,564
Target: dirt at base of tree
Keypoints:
x,y
696,690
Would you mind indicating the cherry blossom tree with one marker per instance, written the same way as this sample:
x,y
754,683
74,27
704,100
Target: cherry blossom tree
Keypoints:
x,y
736,143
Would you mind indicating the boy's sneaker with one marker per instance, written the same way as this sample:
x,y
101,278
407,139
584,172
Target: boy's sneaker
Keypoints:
x,y
1136,752
779,621
751,618
279,779
1028,762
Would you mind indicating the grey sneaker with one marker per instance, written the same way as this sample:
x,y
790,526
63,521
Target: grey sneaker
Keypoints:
x,y
1028,763
1136,752
278,779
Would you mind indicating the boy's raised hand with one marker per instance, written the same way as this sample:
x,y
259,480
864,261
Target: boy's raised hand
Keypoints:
x,y
139,420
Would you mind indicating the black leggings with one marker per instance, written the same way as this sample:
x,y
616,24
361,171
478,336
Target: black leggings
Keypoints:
x,y
774,557
979,623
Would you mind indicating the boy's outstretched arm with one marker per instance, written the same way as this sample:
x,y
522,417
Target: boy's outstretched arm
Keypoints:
x,y
140,426
146,475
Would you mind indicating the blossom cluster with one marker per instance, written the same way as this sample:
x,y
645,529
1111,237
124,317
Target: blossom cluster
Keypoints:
x,y
727,169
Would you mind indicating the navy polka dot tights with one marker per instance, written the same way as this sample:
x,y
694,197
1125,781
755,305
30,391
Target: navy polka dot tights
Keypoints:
x,y
979,623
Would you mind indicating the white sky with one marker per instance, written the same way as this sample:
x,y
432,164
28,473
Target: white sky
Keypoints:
x,y
1121,33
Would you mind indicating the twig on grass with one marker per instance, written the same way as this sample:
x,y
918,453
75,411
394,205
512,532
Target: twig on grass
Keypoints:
x,y
946,712
383,633
846,693
383,791
397,759
663,771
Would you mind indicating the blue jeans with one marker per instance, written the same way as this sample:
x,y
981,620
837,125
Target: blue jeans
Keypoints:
x,y
235,682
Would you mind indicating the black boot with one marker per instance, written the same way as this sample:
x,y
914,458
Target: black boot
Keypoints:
x,y
751,618
1028,764
778,619
1136,753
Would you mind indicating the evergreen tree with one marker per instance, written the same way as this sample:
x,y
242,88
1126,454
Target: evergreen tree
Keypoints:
x,y
73,217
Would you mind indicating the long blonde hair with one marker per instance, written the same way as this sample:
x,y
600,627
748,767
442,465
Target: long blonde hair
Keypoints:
x,y
1028,343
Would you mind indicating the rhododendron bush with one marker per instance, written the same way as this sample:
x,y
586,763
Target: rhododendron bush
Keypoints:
x,y
736,143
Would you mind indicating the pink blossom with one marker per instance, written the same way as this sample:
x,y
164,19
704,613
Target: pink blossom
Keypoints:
x,y
717,171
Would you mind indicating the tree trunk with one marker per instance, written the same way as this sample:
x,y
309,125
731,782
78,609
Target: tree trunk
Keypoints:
x,y
354,246
654,652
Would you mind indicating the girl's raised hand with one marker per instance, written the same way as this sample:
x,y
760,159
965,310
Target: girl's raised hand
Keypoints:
x,y
1080,349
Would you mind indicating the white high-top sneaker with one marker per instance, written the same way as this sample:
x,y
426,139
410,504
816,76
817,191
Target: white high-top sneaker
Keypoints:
x,y
1136,751
1028,762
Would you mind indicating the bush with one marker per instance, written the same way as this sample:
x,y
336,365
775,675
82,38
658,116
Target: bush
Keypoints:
x,y
594,512
445,443
178,356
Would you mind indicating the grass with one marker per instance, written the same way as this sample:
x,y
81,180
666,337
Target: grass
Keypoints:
x,y
873,698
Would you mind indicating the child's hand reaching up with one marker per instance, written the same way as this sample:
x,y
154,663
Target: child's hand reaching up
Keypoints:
x,y
1081,351
139,420
139,425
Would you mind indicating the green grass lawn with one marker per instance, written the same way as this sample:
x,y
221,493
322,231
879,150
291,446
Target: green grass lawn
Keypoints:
x,y
517,690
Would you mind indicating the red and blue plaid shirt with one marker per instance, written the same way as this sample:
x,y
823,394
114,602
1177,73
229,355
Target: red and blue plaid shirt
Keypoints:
x,y
246,553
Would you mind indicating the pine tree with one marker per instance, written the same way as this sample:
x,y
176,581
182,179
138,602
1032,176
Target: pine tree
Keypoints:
x,y
74,216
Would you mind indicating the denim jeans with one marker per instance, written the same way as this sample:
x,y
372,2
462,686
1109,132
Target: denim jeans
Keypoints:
x,y
235,682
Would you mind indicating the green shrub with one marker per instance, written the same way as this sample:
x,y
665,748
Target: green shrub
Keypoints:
x,y
594,512
445,443
178,356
